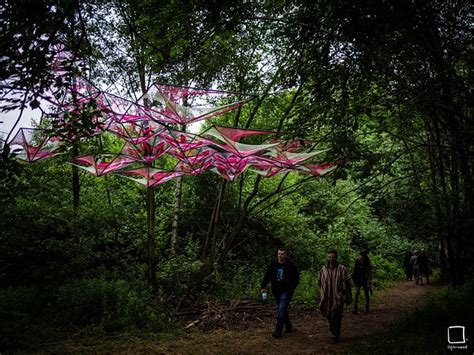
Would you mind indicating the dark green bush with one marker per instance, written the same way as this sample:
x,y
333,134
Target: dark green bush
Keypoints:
x,y
30,315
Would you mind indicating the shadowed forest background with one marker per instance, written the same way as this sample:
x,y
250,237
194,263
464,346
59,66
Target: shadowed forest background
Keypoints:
x,y
385,86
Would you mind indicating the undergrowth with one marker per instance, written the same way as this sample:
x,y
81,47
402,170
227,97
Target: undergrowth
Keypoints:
x,y
34,315
425,331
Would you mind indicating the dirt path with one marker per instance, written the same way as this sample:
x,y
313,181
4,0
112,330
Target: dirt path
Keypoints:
x,y
310,336
311,333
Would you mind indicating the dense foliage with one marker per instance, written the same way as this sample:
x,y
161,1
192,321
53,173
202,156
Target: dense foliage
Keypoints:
x,y
386,88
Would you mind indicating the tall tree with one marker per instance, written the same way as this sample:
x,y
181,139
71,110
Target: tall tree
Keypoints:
x,y
30,31
416,56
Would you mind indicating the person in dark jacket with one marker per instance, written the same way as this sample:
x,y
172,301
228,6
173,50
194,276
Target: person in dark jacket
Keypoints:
x,y
284,278
416,269
362,278
423,267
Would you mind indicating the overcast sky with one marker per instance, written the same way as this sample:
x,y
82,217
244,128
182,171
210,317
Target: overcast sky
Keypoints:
x,y
8,120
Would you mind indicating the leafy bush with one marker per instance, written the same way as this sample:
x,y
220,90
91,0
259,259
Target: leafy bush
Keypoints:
x,y
29,315
385,270
111,304
175,275
307,292
239,281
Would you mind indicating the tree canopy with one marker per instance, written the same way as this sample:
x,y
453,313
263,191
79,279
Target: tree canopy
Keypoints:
x,y
384,86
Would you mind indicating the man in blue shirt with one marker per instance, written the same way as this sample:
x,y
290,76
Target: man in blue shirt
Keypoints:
x,y
284,278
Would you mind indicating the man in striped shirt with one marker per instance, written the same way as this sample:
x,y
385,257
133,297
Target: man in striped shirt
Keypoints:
x,y
334,282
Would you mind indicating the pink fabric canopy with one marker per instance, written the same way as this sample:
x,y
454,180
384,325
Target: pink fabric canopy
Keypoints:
x,y
102,164
153,140
150,177
185,105
33,145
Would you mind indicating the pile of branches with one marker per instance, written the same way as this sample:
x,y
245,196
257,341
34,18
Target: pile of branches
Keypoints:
x,y
236,313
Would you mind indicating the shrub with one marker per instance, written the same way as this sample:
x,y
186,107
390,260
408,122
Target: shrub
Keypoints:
x,y
29,315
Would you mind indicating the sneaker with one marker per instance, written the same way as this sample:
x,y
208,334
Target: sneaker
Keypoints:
x,y
276,335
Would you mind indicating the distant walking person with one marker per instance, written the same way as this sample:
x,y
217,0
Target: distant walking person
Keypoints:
x,y
408,266
423,267
284,278
334,282
416,268
362,278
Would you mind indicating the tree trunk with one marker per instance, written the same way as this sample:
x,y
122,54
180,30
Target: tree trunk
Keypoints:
x,y
438,190
150,198
177,207
228,242
461,178
151,222
76,187
176,213
210,245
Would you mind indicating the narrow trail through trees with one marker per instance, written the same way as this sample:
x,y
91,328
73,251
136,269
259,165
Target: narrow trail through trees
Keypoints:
x,y
310,336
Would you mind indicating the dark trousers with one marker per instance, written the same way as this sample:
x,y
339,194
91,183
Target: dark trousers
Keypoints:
x,y
357,294
416,272
335,319
282,301
419,276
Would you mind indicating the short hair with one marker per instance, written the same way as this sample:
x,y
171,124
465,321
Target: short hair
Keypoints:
x,y
332,251
282,249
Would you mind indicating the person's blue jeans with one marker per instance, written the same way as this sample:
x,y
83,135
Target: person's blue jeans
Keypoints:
x,y
282,302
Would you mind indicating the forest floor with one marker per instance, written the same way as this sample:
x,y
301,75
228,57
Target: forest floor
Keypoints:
x,y
252,333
